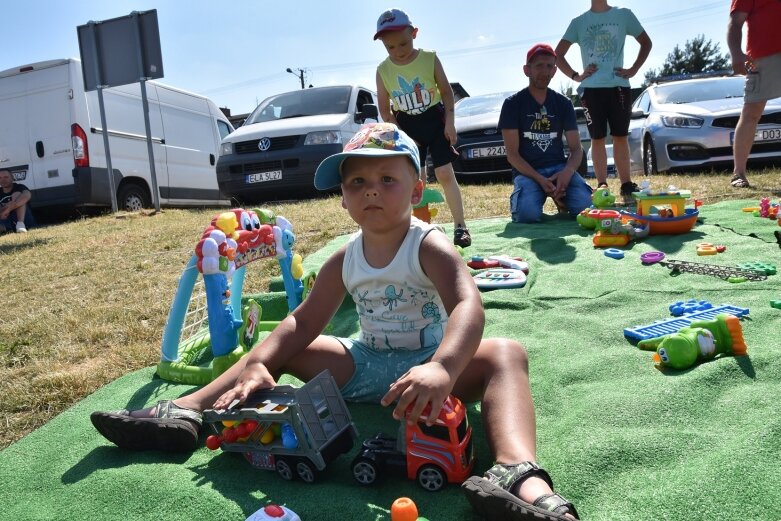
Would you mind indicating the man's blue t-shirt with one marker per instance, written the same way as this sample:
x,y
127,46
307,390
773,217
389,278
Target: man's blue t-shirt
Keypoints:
x,y
601,38
540,127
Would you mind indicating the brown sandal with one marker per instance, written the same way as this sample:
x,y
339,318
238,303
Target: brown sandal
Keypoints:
x,y
739,181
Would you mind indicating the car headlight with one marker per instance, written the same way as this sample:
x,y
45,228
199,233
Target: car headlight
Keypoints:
x,y
226,149
323,137
681,121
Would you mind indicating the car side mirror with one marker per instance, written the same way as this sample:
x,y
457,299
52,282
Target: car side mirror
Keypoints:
x,y
368,111
637,114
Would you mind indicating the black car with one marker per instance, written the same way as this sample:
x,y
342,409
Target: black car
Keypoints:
x,y
480,145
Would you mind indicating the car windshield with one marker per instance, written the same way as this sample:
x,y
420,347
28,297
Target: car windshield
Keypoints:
x,y
481,104
717,88
305,102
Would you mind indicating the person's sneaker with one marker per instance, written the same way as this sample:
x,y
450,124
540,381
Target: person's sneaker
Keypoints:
x,y
20,227
626,191
461,237
602,185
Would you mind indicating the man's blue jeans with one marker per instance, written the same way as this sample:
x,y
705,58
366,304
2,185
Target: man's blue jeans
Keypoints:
x,y
528,197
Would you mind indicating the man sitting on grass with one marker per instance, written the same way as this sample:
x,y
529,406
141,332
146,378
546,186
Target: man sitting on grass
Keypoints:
x,y
15,214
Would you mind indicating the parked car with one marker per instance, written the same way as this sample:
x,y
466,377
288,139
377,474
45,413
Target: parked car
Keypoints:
x,y
480,145
51,140
287,136
611,165
691,124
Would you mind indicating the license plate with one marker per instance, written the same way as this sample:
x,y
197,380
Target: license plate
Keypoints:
x,y
475,153
262,177
768,134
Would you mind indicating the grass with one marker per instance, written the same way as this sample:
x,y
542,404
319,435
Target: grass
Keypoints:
x,y
86,300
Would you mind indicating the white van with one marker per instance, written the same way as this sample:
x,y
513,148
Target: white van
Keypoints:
x,y
51,140
286,137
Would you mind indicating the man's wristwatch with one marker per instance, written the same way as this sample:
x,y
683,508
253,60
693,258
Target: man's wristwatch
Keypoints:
x,y
574,73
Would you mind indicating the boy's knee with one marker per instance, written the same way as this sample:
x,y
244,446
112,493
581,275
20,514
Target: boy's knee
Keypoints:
x,y
512,354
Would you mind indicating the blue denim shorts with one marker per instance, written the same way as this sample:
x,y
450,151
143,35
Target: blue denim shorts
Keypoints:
x,y
375,370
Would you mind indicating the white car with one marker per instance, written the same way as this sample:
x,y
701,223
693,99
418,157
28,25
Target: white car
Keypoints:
x,y
611,166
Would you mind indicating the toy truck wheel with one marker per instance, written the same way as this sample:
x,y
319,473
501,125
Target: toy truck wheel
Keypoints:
x,y
431,478
365,471
306,471
284,470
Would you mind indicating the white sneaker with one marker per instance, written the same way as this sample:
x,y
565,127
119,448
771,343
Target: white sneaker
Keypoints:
x,y
21,228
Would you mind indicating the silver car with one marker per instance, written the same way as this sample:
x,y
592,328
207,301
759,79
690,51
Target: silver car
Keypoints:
x,y
690,124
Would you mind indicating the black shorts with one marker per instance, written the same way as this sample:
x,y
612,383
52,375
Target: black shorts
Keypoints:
x,y
428,131
611,105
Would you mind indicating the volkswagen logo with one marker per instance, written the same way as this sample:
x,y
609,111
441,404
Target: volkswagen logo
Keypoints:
x,y
264,144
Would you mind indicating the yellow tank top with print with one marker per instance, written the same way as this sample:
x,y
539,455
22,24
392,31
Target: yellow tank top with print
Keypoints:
x,y
412,87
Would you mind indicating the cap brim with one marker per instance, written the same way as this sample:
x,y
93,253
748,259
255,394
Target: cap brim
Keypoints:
x,y
390,28
328,176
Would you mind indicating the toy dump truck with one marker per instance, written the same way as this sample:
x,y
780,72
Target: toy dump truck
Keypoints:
x,y
433,456
296,431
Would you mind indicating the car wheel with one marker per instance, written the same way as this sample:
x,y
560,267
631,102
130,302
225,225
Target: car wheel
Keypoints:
x,y
431,478
650,166
306,471
284,470
132,198
365,471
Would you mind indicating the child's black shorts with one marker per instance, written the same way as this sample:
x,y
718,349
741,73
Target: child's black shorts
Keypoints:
x,y
428,131
605,105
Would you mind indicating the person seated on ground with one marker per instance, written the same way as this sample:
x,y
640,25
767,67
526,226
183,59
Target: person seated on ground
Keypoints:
x,y
534,124
15,213
391,362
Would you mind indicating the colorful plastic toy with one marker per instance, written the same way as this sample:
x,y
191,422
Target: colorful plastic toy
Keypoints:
x,y
690,306
765,267
775,304
234,239
422,210
612,229
500,279
614,253
434,456
702,340
672,325
679,220
651,257
316,428
274,513
404,509
494,261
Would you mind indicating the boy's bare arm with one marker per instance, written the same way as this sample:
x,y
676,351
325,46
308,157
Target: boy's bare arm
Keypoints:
x,y
645,49
448,100
293,334
383,102
430,383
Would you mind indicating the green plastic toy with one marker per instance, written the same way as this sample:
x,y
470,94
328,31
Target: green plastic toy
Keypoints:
x,y
699,341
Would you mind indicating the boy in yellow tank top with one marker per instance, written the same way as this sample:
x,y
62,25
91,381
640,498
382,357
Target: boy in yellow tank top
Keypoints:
x,y
415,94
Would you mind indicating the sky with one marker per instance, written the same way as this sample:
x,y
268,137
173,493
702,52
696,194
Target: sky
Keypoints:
x,y
236,52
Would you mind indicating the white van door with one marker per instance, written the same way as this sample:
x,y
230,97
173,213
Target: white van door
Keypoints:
x,y
127,137
49,98
14,148
191,146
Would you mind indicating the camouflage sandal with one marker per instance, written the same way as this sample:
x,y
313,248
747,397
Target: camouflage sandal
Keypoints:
x,y
172,428
491,496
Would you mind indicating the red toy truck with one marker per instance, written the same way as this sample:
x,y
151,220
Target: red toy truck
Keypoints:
x,y
434,456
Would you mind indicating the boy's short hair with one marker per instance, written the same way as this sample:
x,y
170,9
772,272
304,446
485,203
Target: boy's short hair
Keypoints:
x,y
392,20
539,48
371,140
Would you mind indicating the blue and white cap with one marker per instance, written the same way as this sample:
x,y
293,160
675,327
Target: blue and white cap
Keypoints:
x,y
372,139
392,20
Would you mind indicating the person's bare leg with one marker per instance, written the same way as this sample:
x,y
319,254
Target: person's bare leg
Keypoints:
x,y
498,376
744,135
447,179
599,158
621,157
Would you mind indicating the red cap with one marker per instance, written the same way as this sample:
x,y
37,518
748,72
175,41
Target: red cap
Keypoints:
x,y
538,48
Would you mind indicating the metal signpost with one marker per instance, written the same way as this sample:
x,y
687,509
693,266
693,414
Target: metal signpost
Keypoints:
x,y
116,52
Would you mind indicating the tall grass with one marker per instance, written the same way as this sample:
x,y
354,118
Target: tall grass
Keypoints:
x,y
86,300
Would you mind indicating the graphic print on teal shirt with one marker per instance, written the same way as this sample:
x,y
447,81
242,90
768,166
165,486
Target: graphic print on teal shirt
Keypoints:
x,y
412,97
398,317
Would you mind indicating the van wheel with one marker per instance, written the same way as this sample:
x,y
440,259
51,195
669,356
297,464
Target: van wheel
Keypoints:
x,y
132,198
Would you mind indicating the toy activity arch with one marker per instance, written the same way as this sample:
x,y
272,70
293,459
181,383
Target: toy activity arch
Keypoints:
x,y
207,310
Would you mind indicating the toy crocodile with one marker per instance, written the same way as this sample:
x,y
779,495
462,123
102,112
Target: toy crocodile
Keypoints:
x,y
701,340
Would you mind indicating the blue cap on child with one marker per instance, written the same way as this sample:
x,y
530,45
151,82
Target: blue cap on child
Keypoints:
x,y
372,139
392,20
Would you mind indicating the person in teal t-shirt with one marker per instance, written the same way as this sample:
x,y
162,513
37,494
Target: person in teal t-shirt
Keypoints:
x,y
601,32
